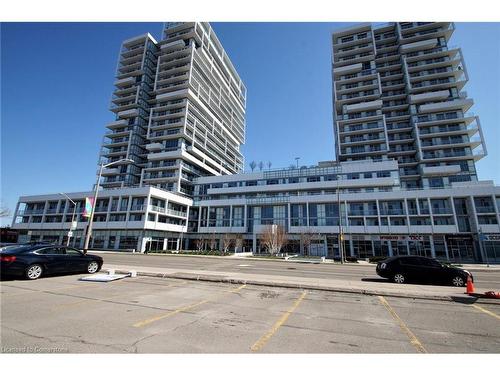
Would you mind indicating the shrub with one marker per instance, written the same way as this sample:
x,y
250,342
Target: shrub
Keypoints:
x,y
351,260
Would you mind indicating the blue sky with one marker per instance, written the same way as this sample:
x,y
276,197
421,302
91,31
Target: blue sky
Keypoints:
x,y
57,80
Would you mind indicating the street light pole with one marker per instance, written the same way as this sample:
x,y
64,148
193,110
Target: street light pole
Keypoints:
x,y
72,217
96,192
297,160
341,251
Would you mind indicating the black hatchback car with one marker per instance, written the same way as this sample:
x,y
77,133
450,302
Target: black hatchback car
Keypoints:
x,y
408,268
33,261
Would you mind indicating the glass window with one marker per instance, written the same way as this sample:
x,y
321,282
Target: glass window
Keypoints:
x,y
72,252
409,261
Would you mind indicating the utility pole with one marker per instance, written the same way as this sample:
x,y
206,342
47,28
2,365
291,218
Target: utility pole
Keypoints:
x,y
72,219
341,235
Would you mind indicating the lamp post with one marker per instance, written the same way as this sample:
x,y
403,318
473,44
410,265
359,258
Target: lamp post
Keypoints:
x,y
297,160
340,237
72,217
91,218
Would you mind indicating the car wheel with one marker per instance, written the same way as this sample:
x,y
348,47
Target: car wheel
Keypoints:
x,y
34,271
399,278
93,267
458,281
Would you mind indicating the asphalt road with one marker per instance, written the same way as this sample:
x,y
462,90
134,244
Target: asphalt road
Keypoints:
x,y
153,315
482,279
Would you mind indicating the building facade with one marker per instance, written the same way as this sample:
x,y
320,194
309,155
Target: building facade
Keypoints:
x,y
397,92
180,111
404,181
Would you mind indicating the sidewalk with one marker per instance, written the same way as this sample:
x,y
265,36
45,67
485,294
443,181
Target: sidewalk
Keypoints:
x,y
369,287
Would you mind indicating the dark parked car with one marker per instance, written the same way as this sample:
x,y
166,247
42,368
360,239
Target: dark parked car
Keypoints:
x,y
402,269
33,261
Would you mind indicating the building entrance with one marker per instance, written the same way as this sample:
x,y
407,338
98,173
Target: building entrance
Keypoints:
x,y
461,249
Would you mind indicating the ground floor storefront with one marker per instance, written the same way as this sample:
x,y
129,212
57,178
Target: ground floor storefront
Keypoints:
x,y
456,248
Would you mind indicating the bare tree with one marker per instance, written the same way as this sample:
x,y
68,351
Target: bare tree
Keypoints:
x,y
306,239
4,212
261,165
292,166
227,242
212,242
200,244
274,238
269,165
253,164
238,242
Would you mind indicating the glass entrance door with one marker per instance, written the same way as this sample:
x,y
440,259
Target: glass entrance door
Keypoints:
x,y
461,250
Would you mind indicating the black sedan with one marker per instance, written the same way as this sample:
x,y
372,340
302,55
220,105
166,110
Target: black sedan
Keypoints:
x,y
402,269
33,261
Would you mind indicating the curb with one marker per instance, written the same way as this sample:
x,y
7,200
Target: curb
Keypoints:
x,y
231,280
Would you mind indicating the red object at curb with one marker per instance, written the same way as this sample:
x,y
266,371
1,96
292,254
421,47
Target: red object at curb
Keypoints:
x,y
492,294
470,286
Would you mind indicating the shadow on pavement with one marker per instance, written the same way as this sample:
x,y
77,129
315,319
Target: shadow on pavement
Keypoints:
x,y
50,276
375,280
467,300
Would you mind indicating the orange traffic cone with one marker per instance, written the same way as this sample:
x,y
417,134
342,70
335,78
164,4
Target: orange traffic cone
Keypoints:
x,y
470,286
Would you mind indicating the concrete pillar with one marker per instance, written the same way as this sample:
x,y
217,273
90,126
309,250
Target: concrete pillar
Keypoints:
x,y
446,249
141,243
389,246
245,217
254,242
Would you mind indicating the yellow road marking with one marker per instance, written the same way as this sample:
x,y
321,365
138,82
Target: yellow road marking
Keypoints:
x,y
413,339
182,309
491,313
259,344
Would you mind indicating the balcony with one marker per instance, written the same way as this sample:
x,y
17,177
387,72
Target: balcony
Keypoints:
x,y
435,119
428,96
467,153
125,82
110,171
441,170
453,104
363,139
442,211
154,146
342,70
171,212
364,106
353,129
392,211
362,213
128,113
423,44
116,124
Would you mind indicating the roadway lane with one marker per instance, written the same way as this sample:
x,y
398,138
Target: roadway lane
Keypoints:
x,y
483,279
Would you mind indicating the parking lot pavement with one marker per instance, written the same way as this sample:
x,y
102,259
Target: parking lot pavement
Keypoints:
x,y
154,315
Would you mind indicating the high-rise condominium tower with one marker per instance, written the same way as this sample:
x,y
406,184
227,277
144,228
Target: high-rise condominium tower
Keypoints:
x,y
180,111
397,93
